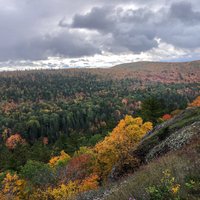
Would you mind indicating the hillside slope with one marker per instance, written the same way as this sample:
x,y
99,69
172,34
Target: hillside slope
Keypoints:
x,y
172,147
160,66
162,71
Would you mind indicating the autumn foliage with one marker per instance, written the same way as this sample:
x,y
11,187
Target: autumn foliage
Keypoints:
x,y
45,140
59,160
14,140
195,103
166,117
13,187
66,191
79,167
83,171
117,146
89,165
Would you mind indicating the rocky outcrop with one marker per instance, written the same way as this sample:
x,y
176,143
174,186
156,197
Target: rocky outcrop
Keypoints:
x,y
175,141
170,135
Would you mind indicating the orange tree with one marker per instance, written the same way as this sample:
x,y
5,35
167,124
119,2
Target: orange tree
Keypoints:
x,y
195,103
166,117
14,140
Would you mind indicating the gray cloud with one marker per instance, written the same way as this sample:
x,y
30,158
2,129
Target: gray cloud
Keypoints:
x,y
97,18
184,12
34,30
137,29
64,44
131,30
180,26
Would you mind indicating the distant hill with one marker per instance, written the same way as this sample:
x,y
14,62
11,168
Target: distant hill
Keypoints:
x,y
165,72
146,72
160,66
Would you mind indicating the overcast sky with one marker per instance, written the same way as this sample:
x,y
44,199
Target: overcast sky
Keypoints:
x,y
97,33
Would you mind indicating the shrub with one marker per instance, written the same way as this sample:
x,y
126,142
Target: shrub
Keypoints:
x,y
59,161
167,189
79,167
193,186
166,117
72,188
64,191
13,187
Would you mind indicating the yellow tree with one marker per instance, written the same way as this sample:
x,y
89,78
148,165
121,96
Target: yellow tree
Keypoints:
x,y
72,188
116,147
195,103
61,160
13,187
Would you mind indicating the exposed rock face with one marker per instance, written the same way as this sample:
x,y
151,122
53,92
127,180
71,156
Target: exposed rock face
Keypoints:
x,y
170,135
175,141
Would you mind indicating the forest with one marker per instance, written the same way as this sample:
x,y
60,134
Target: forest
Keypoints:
x,y
50,119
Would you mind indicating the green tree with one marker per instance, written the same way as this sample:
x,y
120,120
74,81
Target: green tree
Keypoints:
x,y
38,173
152,109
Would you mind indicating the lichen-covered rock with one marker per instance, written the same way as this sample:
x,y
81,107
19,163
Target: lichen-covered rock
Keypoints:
x,y
175,141
169,135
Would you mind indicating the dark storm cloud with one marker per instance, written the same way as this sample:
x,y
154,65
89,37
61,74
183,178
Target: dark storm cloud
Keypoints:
x,y
97,18
184,12
34,30
29,32
130,29
180,26
137,29
62,45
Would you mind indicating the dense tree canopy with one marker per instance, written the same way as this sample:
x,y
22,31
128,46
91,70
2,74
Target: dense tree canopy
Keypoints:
x,y
49,103
62,132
